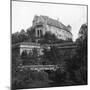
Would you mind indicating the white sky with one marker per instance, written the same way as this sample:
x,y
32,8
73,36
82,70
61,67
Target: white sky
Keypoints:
x,y
23,14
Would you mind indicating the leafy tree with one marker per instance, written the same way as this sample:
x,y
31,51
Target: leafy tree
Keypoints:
x,y
22,36
19,37
54,56
77,65
82,43
15,38
83,31
31,34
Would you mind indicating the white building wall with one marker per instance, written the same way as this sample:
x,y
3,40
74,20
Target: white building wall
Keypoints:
x,y
60,33
29,48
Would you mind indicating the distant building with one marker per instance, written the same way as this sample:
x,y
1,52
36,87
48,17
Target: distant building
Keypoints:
x,y
28,47
43,24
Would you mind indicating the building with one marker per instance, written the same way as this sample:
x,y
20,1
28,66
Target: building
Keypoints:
x,y
43,24
28,47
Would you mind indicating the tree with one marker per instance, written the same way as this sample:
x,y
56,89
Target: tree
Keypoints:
x,y
82,42
31,34
54,56
15,38
19,37
23,36
77,65
83,31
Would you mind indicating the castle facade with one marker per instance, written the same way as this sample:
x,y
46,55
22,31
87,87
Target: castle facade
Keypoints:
x,y
43,24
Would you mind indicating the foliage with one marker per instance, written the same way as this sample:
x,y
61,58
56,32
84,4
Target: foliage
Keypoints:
x,y
15,38
77,66
23,36
31,34
19,37
27,79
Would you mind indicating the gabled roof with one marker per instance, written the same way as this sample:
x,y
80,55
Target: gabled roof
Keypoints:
x,y
54,22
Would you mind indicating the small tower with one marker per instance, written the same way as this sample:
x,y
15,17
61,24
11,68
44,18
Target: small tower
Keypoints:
x,y
69,28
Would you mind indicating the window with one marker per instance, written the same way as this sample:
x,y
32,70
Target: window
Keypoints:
x,y
38,33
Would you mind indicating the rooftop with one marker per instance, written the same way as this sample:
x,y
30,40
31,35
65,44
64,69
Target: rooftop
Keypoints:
x,y
25,43
69,44
52,22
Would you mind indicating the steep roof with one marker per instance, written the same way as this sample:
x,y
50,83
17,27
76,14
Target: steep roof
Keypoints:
x,y
54,22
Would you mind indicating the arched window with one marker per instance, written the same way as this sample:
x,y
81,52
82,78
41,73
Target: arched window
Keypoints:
x,y
39,33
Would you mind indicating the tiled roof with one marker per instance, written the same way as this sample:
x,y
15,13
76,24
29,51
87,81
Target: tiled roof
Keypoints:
x,y
54,22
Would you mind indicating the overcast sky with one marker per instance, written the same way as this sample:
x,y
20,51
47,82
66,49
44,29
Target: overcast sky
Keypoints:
x,y
24,12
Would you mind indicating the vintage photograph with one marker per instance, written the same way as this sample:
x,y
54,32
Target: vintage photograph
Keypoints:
x,y
48,44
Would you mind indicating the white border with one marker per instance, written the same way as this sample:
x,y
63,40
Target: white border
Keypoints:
x,y
5,44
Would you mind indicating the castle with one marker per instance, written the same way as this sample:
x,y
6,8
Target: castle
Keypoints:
x,y
43,24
